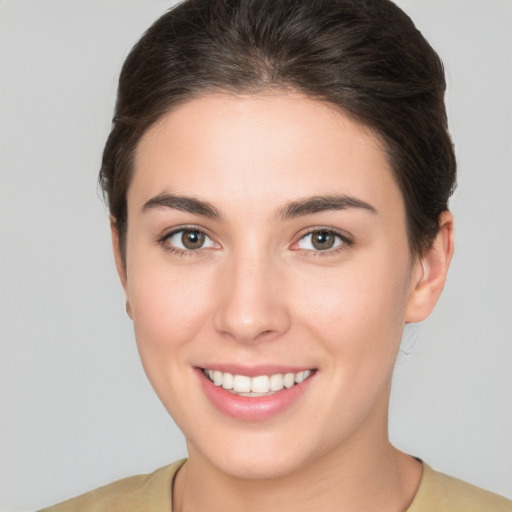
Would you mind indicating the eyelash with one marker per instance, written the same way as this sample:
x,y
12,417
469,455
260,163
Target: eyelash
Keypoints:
x,y
344,242
164,241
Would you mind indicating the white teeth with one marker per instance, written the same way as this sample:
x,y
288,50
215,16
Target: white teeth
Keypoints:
x,y
261,385
302,376
227,381
242,384
289,380
276,382
217,377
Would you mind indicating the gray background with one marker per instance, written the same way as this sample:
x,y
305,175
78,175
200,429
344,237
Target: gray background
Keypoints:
x,y
76,409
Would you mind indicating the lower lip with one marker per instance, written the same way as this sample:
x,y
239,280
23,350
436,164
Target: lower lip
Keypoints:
x,y
252,408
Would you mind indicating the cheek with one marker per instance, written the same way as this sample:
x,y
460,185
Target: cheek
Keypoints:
x,y
357,317
358,309
168,309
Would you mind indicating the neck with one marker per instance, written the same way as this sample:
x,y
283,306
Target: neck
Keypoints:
x,y
364,477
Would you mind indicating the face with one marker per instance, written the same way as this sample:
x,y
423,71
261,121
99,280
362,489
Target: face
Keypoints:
x,y
267,238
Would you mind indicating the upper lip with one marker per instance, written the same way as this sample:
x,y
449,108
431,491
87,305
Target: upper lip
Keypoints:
x,y
255,370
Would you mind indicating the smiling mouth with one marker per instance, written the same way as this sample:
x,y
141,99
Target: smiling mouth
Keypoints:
x,y
261,385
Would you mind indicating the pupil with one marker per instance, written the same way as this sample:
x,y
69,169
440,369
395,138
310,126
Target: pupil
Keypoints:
x,y
323,240
192,239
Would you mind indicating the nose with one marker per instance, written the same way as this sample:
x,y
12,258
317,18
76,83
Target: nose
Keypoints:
x,y
252,304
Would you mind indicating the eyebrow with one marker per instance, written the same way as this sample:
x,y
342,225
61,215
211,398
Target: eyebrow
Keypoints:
x,y
318,204
307,206
183,203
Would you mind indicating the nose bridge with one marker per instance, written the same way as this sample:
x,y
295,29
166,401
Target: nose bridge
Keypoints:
x,y
252,307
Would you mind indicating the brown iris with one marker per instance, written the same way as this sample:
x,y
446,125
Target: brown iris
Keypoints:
x,y
192,239
323,240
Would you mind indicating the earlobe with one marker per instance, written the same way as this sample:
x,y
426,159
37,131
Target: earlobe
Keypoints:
x,y
432,269
119,260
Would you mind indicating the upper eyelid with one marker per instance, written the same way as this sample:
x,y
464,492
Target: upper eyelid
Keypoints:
x,y
189,227
309,231
164,241
346,237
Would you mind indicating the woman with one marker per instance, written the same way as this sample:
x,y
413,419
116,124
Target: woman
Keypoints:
x,y
278,176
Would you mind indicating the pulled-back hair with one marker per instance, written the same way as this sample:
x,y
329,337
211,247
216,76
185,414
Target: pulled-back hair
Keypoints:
x,y
364,57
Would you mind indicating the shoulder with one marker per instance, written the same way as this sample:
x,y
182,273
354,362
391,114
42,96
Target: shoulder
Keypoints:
x,y
444,493
141,492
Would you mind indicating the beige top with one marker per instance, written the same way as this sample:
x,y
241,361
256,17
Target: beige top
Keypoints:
x,y
437,493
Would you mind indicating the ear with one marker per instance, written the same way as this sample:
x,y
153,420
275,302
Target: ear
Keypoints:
x,y
120,261
430,272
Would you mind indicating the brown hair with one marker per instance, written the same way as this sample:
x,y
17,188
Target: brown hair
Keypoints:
x,y
363,56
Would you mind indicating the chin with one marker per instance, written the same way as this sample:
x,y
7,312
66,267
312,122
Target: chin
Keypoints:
x,y
260,455
270,467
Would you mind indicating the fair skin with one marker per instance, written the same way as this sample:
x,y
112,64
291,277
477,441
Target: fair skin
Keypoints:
x,y
265,280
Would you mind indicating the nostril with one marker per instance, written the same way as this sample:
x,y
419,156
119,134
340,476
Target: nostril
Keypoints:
x,y
250,314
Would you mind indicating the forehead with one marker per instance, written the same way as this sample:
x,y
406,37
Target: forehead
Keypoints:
x,y
262,147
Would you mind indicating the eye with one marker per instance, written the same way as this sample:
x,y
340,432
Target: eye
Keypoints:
x,y
189,239
321,240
